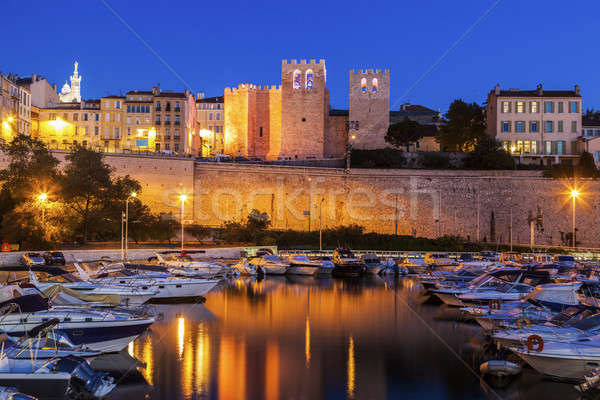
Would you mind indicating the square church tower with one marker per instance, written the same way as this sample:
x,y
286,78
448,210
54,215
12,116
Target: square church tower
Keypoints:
x,y
369,111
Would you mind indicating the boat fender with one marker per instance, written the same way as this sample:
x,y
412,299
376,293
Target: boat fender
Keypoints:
x,y
494,305
523,321
535,343
499,368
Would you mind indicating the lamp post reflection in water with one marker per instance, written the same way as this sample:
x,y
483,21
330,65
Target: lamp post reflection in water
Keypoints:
x,y
180,335
351,369
307,342
202,361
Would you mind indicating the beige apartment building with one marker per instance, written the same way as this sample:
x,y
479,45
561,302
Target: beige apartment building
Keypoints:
x,y
15,108
211,125
537,126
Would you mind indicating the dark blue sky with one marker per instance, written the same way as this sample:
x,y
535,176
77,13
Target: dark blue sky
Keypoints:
x,y
214,44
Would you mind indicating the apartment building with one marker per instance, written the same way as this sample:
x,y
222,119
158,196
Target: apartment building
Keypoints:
x,y
139,132
211,124
65,125
15,108
540,126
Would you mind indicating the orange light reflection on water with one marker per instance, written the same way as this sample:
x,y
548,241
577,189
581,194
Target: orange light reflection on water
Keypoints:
x,y
351,369
272,371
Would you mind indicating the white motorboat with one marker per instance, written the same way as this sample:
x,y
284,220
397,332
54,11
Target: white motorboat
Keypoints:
x,y
165,287
184,264
89,329
270,264
129,296
244,268
505,291
300,264
565,360
571,324
11,393
374,266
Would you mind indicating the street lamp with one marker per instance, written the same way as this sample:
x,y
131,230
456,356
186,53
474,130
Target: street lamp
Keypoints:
x,y
574,195
42,198
321,223
183,197
131,196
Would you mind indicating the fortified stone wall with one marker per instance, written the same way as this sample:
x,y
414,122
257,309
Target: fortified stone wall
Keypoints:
x,y
163,179
472,204
337,136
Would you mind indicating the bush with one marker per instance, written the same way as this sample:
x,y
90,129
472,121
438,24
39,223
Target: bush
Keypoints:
x,y
434,160
382,158
488,154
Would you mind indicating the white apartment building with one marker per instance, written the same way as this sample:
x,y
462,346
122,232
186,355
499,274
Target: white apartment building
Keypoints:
x,y
541,126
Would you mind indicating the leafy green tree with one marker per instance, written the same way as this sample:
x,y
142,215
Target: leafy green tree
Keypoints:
x,y
85,183
404,133
586,168
489,154
22,225
463,125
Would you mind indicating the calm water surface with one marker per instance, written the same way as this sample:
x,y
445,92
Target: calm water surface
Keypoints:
x,y
306,338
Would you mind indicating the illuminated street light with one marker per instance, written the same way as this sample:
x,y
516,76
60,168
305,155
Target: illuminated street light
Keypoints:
x,y
42,198
124,253
574,195
10,119
182,197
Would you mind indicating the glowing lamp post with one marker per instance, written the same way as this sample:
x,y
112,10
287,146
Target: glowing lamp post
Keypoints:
x,y
131,196
574,196
182,197
42,198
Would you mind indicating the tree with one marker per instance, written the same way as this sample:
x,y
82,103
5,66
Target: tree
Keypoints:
x,y
404,133
84,185
463,125
489,154
587,166
22,225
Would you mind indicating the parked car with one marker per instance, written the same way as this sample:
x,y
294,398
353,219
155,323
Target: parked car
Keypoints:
x,y
54,257
32,259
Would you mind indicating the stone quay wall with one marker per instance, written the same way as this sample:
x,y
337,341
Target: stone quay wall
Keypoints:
x,y
429,203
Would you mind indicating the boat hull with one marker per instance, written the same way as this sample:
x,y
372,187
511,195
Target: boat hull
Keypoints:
x,y
571,369
296,269
53,385
449,299
184,290
348,270
274,269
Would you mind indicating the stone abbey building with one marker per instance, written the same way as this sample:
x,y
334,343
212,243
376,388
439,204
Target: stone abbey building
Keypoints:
x,y
294,120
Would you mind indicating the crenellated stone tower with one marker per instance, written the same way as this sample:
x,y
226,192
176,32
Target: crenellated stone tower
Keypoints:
x,y
304,109
369,111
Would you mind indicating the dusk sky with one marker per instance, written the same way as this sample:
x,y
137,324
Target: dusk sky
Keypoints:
x,y
211,45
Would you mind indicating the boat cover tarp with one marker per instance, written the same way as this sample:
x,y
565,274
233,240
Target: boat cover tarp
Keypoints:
x,y
55,290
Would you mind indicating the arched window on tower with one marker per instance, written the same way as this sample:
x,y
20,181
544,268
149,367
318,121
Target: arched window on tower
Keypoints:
x,y
309,79
363,85
297,83
375,85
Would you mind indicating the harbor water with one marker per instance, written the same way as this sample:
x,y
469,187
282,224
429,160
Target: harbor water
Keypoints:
x,y
311,338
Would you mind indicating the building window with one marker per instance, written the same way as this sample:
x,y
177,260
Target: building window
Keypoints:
x,y
526,147
548,107
549,125
296,79
107,117
177,109
157,121
560,147
177,121
107,103
260,131
561,107
176,146
309,79
573,107
168,119
118,117
520,126
157,106
116,133
375,85
505,107
167,146
573,126
137,120
75,117
597,156
559,126
218,116
548,147
533,126
506,145
505,126
520,146
363,85
117,104
128,120
96,131
176,134
128,131
535,108
210,116
168,106
97,117
85,116
520,107
533,147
